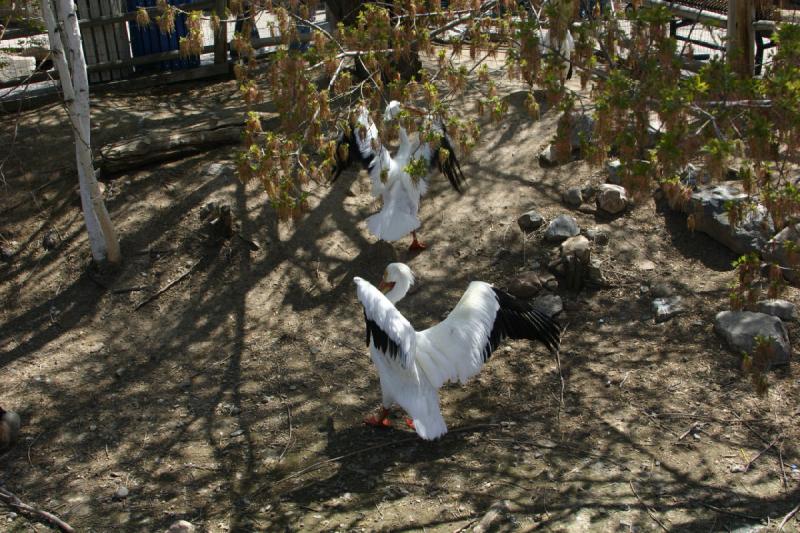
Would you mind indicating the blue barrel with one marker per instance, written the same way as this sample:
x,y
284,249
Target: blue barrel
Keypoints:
x,y
146,40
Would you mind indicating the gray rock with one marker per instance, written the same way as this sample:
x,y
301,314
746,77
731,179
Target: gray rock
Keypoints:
x,y
573,197
550,304
121,493
562,227
181,526
780,308
582,130
525,286
783,249
612,198
530,221
739,329
577,246
614,171
666,308
707,205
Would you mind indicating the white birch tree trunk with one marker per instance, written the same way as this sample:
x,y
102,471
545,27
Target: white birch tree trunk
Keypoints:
x,y
65,45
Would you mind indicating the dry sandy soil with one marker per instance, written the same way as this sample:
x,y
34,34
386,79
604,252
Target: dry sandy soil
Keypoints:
x,y
234,400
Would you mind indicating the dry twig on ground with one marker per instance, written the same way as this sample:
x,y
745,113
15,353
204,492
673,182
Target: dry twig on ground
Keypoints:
x,y
32,512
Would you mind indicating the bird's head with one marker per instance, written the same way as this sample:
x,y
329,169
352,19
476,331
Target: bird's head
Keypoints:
x,y
396,274
392,111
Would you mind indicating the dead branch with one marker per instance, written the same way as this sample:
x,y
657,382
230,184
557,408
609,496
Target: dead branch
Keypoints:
x,y
165,288
788,517
649,511
694,425
32,512
762,452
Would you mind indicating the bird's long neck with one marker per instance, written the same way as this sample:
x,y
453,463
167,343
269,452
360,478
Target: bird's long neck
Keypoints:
x,y
399,291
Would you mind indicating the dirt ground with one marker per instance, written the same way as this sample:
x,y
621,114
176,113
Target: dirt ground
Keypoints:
x,y
234,400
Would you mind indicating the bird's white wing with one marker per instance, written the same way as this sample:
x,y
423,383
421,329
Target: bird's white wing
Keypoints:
x,y
379,171
457,348
387,328
392,343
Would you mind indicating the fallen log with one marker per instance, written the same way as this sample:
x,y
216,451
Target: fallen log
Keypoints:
x,y
158,146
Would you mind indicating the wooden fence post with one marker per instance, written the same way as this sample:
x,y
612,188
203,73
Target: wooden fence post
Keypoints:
x,y
221,35
741,36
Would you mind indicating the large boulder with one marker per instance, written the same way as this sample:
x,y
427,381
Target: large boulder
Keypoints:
x,y
782,309
784,249
740,328
707,206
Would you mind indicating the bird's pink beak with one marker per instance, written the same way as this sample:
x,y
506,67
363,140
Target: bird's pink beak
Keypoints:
x,y
385,286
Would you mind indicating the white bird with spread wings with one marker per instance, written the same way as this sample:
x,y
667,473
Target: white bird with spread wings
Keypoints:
x,y
413,365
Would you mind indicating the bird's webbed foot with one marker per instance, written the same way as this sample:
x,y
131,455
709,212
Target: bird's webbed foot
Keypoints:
x,y
381,420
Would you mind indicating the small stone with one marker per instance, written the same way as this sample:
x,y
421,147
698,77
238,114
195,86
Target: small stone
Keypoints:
x,y
530,221
7,250
118,372
611,198
740,328
552,285
573,197
561,228
645,264
121,493
237,433
588,190
525,286
550,304
666,308
181,526
577,246
780,308
51,239
614,171
547,157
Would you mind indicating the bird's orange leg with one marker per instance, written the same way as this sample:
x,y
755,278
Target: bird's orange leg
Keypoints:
x,y
416,246
380,421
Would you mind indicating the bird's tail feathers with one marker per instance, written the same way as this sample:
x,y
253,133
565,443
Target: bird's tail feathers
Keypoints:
x,y
449,166
391,225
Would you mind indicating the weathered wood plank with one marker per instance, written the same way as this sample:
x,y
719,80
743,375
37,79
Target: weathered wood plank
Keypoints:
x,y
169,145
